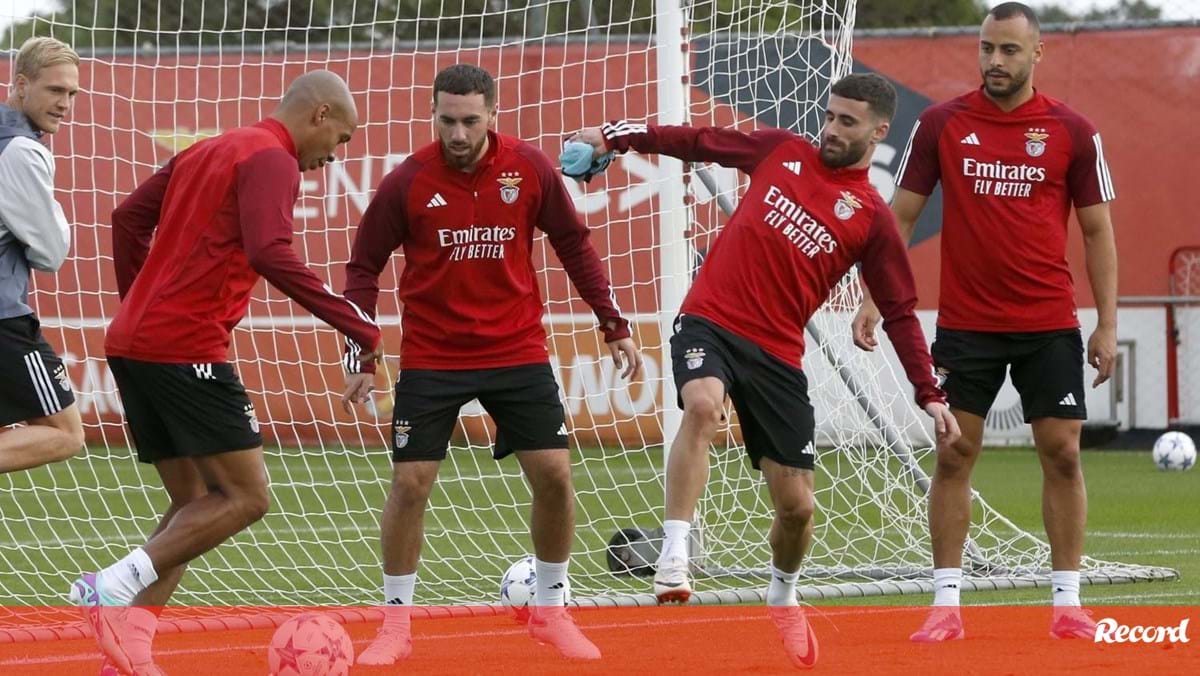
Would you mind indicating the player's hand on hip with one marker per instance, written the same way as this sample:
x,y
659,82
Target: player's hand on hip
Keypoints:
x,y
593,137
945,425
627,358
863,326
1102,353
359,387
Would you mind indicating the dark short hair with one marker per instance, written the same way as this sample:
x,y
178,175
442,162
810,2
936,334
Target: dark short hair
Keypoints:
x,y
875,89
463,79
1011,10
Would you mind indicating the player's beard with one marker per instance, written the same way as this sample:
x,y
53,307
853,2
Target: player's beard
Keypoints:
x,y
849,154
1013,85
465,160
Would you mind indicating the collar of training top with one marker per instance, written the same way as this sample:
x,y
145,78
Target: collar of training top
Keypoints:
x,y
16,123
285,138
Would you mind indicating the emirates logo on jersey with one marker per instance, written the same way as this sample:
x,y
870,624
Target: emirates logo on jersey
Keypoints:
x,y
509,190
1035,141
846,206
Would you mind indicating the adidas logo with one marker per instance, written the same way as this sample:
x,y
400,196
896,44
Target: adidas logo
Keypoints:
x,y
1068,400
562,431
436,201
793,167
558,585
810,449
970,140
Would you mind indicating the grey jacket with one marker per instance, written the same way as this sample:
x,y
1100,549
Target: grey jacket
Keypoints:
x,y
33,230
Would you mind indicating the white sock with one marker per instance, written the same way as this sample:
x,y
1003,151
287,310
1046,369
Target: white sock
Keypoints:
x,y
123,580
946,585
675,539
397,599
551,583
1065,585
781,590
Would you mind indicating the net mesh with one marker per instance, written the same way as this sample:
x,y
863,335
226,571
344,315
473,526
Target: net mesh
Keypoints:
x,y
1185,285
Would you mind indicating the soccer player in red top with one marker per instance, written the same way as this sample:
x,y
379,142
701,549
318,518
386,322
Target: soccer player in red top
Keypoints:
x,y
1011,161
807,217
464,209
220,215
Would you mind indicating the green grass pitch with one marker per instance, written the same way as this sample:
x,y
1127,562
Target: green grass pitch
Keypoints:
x,y
1137,515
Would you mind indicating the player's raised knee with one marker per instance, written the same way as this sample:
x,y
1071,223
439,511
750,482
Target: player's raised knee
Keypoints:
x,y
72,444
253,503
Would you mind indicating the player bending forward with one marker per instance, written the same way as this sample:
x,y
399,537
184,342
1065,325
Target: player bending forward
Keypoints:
x,y
807,217
220,214
464,209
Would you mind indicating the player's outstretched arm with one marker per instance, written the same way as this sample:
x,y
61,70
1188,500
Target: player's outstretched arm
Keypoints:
x,y
906,207
571,241
727,147
267,185
1100,252
380,233
886,269
133,224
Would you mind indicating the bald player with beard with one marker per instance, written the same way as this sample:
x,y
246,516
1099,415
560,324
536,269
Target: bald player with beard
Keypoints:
x,y
220,214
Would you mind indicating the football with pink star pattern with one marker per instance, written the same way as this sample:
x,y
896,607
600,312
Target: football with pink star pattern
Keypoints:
x,y
311,644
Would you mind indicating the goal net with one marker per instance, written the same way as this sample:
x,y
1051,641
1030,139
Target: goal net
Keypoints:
x,y
1184,335
158,76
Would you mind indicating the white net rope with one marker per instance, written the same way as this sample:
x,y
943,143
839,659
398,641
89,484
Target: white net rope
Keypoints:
x,y
172,72
1185,285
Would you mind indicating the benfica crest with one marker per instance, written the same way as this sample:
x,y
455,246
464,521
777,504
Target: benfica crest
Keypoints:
x,y
509,191
1035,142
402,427
251,417
694,357
844,208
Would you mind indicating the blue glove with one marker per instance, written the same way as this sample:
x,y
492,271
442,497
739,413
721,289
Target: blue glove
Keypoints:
x,y
576,161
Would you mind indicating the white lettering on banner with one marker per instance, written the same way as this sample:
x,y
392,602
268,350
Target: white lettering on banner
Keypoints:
x,y
642,177
337,174
801,229
97,390
596,383
586,202
1109,630
307,185
392,161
